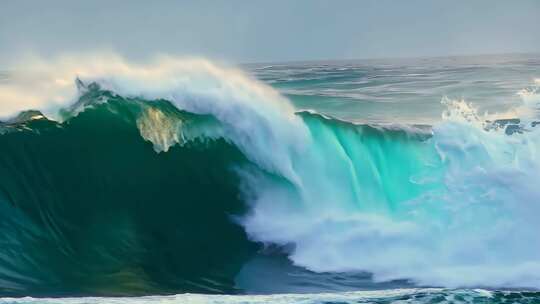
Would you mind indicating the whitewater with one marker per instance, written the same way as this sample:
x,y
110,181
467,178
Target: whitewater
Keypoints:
x,y
126,173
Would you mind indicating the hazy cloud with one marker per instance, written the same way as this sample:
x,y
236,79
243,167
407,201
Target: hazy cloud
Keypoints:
x,y
243,31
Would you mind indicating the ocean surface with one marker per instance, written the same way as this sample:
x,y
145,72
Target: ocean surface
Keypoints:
x,y
188,181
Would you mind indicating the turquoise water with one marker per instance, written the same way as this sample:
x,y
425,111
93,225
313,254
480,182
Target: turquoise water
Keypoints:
x,y
390,181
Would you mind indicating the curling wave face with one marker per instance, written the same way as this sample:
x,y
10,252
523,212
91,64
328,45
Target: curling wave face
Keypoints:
x,y
168,177
88,207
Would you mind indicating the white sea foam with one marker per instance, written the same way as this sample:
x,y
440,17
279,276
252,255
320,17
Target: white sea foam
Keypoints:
x,y
346,297
255,117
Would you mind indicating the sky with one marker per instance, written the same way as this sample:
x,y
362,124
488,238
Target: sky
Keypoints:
x,y
269,31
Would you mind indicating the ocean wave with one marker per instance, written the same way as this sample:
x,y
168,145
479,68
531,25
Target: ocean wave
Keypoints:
x,y
198,165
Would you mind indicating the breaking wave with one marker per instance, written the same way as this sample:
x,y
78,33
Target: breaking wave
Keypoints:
x,y
168,177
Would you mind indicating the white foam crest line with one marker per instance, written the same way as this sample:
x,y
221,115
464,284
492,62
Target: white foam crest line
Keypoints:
x,y
348,297
256,118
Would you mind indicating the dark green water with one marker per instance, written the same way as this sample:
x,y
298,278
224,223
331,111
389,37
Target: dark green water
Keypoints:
x,y
88,207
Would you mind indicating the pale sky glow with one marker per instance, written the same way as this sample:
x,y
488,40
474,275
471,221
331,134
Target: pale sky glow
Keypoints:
x,y
267,31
